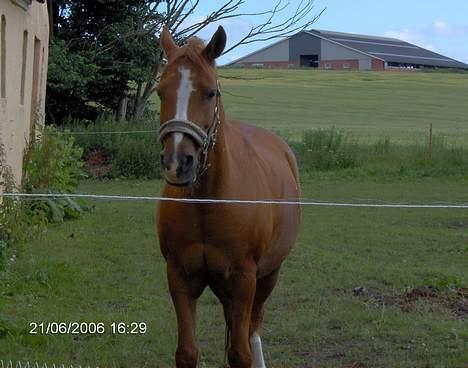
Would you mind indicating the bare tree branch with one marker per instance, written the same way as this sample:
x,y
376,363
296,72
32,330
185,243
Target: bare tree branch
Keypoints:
x,y
273,22
269,28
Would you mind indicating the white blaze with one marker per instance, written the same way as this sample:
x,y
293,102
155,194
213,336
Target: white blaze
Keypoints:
x,y
256,347
183,93
183,98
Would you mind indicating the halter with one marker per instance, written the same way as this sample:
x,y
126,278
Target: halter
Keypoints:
x,y
205,140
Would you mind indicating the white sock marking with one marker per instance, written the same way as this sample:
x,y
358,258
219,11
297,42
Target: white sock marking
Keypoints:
x,y
256,347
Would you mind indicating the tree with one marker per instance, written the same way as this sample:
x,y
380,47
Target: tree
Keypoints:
x,y
103,34
120,37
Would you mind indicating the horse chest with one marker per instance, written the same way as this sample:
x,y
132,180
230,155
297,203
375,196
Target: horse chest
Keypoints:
x,y
213,240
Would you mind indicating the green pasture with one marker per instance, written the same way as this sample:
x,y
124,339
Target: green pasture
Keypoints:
x,y
368,105
362,287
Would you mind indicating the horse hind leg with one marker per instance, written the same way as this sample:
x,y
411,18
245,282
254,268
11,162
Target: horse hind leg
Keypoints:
x,y
264,288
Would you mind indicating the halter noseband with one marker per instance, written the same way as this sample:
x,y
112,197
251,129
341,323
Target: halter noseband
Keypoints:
x,y
205,140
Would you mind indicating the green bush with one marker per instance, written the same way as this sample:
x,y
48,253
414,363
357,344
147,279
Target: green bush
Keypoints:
x,y
53,165
109,151
18,220
7,218
325,150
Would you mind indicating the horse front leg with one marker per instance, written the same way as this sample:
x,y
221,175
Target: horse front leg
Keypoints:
x,y
185,290
242,283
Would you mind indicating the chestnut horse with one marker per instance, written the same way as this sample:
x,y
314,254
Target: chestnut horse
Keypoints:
x,y
235,249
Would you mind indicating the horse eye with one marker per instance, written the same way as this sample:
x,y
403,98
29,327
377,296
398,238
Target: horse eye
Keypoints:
x,y
211,94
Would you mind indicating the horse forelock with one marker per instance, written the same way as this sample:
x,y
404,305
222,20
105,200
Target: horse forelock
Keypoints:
x,y
193,52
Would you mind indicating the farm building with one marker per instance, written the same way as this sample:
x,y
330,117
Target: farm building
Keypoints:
x,y
24,37
335,50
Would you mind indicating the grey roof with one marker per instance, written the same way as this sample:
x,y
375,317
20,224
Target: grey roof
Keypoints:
x,y
390,49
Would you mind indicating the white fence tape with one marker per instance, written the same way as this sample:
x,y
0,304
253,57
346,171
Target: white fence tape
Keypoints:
x,y
97,133
44,196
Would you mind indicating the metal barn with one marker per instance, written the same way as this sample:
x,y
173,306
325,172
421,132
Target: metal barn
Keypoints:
x,y
336,50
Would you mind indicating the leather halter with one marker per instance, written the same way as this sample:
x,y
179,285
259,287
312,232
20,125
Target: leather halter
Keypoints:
x,y
205,139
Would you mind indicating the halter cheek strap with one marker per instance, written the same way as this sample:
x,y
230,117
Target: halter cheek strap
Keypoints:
x,y
205,140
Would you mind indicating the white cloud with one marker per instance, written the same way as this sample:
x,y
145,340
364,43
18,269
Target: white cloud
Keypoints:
x,y
439,36
440,26
411,36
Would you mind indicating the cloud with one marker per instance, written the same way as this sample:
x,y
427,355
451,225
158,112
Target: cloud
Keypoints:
x,y
411,36
439,36
440,26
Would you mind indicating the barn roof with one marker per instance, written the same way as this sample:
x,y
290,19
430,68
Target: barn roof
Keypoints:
x,y
389,49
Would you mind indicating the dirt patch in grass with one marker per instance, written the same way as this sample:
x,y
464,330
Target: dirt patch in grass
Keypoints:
x,y
456,300
457,224
97,164
332,352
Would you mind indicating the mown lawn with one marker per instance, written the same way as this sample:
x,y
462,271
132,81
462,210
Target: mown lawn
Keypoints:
x,y
362,288
368,105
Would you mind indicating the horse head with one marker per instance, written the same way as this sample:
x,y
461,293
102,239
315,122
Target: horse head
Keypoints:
x,y
189,115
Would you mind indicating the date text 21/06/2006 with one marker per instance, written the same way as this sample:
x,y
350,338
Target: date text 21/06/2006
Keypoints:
x,y
81,328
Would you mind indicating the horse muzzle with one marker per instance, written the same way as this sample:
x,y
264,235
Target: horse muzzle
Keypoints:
x,y
180,169
181,164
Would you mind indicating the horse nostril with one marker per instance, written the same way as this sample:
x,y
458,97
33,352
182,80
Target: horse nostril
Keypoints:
x,y
161,158
188,161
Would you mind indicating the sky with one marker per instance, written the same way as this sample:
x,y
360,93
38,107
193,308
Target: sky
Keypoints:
x,y
441,26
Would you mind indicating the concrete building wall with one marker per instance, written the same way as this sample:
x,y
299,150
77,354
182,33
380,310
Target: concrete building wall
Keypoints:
x,y
345,64
24,37
365,64
279,52
268,64
303,44
333,52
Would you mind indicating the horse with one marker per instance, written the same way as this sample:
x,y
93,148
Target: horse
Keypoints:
x,y
234,249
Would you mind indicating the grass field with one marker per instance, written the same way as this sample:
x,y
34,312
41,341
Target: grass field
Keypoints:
x,y
368,105
362,288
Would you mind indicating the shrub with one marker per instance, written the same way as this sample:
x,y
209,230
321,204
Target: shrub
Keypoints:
x,y
17,220
6,204
109,151
53,165
325,150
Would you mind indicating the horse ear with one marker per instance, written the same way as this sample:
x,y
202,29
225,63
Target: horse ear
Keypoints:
x,y
167,42
215,47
